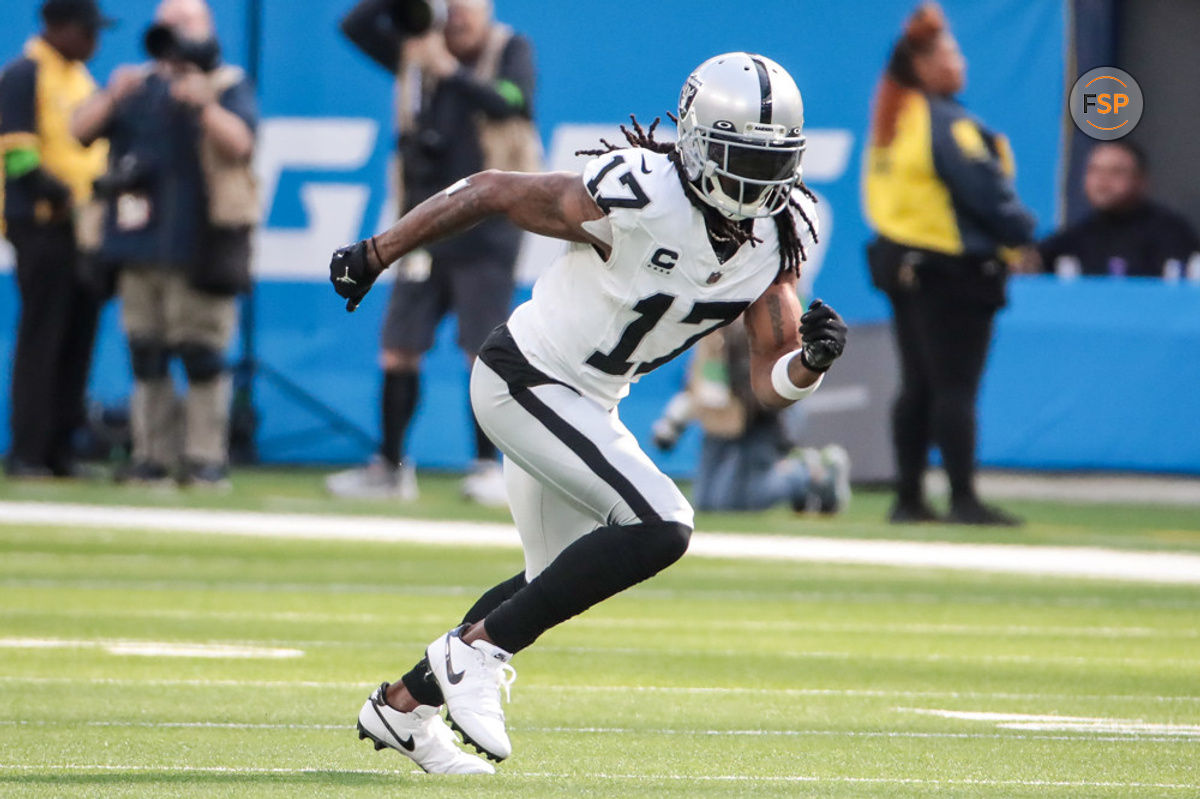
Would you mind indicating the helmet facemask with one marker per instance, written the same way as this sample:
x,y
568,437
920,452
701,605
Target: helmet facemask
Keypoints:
x,y
743,176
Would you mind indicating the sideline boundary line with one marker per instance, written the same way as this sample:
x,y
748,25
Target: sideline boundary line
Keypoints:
x,y
1058,561
536,775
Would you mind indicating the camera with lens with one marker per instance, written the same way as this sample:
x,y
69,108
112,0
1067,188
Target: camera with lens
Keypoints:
x,y
415,17
163,43
128,174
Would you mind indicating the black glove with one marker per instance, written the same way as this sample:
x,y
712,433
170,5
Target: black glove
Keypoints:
x,y
352,274
824,335
665,434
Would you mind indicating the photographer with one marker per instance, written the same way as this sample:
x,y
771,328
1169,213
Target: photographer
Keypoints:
x,y
748,457
464,95
181,203
47,181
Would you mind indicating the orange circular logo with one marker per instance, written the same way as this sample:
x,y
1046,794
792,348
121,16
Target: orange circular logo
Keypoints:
x,y
1106,103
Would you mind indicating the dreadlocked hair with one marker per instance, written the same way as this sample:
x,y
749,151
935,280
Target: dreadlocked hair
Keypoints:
x,y
792,253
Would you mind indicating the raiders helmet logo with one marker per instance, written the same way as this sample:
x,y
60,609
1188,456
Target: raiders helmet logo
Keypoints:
x,y
688,95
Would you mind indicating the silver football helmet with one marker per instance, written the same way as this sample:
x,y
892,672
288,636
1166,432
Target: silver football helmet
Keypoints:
x,y
741,134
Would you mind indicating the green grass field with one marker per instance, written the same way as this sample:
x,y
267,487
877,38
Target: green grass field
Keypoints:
x,y
717,678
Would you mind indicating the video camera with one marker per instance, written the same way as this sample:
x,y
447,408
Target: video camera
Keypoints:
x,y
129,173
162,43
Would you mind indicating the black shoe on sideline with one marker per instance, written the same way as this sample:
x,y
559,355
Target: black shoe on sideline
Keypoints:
x,y
977,513
143,473
913,513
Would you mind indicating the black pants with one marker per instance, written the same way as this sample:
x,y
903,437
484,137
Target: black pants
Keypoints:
x,y
943,339
53,354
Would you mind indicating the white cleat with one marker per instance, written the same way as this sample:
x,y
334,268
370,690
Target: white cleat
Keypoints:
x,y
420,735
471,676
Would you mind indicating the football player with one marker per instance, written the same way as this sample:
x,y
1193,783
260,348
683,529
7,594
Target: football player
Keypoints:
x,y
670,242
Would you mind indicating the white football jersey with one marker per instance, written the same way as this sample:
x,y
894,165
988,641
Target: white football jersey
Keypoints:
x,y
600,325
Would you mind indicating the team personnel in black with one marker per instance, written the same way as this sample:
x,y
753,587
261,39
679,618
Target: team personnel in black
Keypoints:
x,y
1126,234
939,194
48,178
464,103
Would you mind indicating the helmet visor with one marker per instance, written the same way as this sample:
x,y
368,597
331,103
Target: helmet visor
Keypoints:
x,y
747,170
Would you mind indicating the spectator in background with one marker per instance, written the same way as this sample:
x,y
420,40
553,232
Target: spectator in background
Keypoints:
x,y
181,203
47,181
746,458
464,95
1126,234
939,194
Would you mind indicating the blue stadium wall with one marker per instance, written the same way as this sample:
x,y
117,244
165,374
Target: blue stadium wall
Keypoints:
x,y
1049,393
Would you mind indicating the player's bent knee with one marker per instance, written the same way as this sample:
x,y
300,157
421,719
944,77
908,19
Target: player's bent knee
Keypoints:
x,y
201,362
663,543
148,359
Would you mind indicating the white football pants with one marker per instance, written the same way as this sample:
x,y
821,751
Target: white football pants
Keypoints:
x,y
571,466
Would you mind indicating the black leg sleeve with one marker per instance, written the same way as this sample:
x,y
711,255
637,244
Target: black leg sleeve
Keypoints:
x,y
419,680
597,566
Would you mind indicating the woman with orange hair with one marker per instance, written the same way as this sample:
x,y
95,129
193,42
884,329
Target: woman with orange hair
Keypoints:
x,y
938,192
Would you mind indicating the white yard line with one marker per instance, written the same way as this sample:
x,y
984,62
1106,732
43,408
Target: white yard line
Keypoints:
x,y
287,647
1027,721
1105,736
176,649
1086,562
668,777
622,623
685,690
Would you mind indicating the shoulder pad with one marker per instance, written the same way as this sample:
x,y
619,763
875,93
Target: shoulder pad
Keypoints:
x,y
627,179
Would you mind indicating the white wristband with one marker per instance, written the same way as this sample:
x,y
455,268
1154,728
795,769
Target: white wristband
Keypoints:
x,y
782,383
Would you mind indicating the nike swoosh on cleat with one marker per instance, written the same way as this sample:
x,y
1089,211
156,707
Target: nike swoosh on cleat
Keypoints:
x,y
408,744
455,677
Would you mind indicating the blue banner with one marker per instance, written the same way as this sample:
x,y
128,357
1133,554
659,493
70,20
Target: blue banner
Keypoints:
x,y
327,136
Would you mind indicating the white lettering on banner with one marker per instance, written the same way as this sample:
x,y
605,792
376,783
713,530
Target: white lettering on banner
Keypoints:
x,y
333,211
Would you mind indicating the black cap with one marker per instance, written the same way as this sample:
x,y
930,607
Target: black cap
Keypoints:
x,y
83,12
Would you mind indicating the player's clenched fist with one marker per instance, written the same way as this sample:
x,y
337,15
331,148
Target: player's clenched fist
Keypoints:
x,y
352,272
824,335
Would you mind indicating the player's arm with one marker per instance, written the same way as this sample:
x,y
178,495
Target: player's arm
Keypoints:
x,y
552,204
790,350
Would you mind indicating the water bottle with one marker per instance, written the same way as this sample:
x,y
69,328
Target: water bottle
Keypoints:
x,y
1067,267
1172,270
